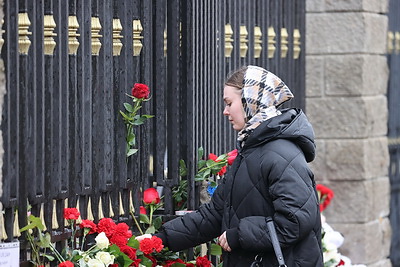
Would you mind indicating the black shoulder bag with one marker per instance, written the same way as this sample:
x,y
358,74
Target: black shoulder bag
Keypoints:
x,y
275,243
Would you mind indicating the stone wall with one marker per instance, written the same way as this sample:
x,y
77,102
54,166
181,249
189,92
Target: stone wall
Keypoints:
x,y
346,83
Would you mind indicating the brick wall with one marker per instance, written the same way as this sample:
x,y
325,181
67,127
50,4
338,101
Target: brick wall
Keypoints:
x,y
346,83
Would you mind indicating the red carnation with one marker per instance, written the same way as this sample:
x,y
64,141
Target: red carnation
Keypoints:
x,y
148,245
326,194
107,226
232,156
66,264
88,224
150,196
140,90
143,210
203,262
71,214
169,263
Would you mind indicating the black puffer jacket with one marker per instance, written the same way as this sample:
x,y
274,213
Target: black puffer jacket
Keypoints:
x,y
270,177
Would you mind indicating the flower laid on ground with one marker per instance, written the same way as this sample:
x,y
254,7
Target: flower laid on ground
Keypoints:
x,y
140,93
331,239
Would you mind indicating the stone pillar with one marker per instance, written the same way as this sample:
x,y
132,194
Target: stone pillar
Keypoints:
x,y
346,83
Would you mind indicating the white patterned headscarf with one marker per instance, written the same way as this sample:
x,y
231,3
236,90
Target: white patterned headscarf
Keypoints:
x,y
262,93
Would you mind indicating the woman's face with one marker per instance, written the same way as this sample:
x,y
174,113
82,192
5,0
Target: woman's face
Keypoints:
x,y
233,107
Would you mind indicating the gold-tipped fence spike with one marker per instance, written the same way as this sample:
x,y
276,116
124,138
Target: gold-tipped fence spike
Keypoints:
x,y
73,42
96,28
1,35
101,214
16,231
257,41
284,42
54,222
296,43
271,42
23,32
121,207
131,206
165,42
390,39
89,210
117,44
3,233
79,220
228,40
397,42
137,31
48,34
111,208
41,216
243,41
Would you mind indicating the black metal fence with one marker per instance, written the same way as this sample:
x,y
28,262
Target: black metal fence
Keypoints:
x,y
69,65
394,127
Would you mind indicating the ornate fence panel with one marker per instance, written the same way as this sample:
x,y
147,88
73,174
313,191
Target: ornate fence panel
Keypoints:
x,y
69,65
394,127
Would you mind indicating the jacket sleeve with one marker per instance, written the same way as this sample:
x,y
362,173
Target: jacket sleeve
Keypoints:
x,y
296,208
196,227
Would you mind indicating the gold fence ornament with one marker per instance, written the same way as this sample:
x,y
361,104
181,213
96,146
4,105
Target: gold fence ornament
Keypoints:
x,y
390,40
397,42
101,214
257,41
1,35
228,40
96,28
73,42
48,34
3,233
16,228
89,210
23,32
284,42
54,221
111,213
137,43
117,44
121,207
243,41
271,42
296,43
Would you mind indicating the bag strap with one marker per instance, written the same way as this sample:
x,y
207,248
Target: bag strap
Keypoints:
x,y
275,242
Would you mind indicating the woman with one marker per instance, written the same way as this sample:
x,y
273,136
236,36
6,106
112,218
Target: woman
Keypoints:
x,y
270,177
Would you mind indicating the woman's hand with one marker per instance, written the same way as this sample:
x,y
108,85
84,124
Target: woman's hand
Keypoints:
x,y
141,237
223,242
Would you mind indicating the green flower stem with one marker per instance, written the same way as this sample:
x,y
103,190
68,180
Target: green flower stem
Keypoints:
x,y
213,165
151,214
56,253
136,222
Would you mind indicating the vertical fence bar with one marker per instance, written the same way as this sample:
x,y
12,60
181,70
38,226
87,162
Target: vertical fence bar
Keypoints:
x,y
74,184
98,114
144,72
173,101
83,136
49,46
24,138
107,90
159,93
